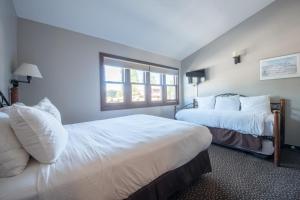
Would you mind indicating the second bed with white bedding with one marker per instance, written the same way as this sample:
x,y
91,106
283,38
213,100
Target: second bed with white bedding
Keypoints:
x,y
255,124
111,159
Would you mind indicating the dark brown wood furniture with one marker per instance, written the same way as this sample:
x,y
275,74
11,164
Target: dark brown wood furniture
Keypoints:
x,y
3,100
278,109
14,95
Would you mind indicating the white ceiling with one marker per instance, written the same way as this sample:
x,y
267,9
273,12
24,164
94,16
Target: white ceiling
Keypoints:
x,y
174,28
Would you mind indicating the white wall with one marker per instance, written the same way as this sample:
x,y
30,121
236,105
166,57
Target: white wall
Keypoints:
x,y
274,31
69,62
8,43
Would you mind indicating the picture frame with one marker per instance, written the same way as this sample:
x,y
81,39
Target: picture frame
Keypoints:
x,y
287,66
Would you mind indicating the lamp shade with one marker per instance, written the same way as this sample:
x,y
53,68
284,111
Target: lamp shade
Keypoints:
x,y
28,70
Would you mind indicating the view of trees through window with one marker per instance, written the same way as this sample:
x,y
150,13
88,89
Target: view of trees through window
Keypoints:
x,y
114,93
171,87
156,86
137,79
127,87
115,86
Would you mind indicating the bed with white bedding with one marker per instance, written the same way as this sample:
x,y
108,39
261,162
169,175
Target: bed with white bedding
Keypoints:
x,y
245,123
110,159
252,124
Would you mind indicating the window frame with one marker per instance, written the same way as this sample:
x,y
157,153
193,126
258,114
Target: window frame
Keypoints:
x,y
176,83
128,104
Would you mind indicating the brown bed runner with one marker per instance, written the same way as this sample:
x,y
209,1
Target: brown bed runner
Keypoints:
x,y
235,139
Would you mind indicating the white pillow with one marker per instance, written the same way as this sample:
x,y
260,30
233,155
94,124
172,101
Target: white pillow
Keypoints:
x,y
257,104
42,135
13,158
46,105
206,103
228,103
6,109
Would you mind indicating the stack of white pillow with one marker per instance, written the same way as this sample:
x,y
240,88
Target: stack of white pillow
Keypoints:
x,y
255,104
30,131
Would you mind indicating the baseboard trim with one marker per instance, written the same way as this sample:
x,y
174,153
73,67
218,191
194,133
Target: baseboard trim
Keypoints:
x,y
293,147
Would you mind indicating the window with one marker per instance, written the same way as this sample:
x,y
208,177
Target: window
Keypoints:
x,y
114,93
156,86
128,83
171,86
114,77
137,79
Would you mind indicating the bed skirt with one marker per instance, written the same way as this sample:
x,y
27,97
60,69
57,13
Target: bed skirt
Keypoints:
x,y
235,139
172,182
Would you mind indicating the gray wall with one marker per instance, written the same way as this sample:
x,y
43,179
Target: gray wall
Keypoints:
x,y
274,31
8,43
69,62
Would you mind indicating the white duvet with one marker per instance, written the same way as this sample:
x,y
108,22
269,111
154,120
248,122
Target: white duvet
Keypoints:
x,y
111,159
243,122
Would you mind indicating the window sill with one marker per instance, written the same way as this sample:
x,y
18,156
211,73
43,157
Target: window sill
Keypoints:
x,y
125,107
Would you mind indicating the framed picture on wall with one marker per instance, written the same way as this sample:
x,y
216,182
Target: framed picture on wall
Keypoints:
x,y
280,67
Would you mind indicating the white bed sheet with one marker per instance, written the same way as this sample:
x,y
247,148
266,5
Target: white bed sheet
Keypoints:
x,y
110,159
244,122
22,186
269,125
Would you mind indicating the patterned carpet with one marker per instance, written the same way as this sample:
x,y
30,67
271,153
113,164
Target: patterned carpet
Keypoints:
x,y
237,175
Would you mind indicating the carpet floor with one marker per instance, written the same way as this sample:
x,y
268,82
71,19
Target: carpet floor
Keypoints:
x,y
238,175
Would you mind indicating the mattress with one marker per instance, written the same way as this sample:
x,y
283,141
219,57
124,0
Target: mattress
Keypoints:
x,y
243,122
110,159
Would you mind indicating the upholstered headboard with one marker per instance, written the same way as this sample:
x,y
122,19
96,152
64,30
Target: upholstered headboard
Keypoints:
x,y
3,100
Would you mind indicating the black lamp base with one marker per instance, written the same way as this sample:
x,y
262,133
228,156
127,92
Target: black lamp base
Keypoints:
x,y
237,59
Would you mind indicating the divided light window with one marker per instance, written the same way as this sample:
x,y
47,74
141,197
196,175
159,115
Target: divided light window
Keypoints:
x,y
128,83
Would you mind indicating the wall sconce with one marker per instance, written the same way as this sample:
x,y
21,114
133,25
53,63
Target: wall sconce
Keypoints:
x,y
237,56
27,70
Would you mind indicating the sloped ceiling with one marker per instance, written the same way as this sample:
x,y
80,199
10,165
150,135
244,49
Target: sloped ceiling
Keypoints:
x,y
173,28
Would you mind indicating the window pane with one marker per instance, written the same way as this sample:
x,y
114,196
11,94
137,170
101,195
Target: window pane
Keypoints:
x,y
114,93
138,93
154,78
136,76
114,73
170,79
171,92
156,93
